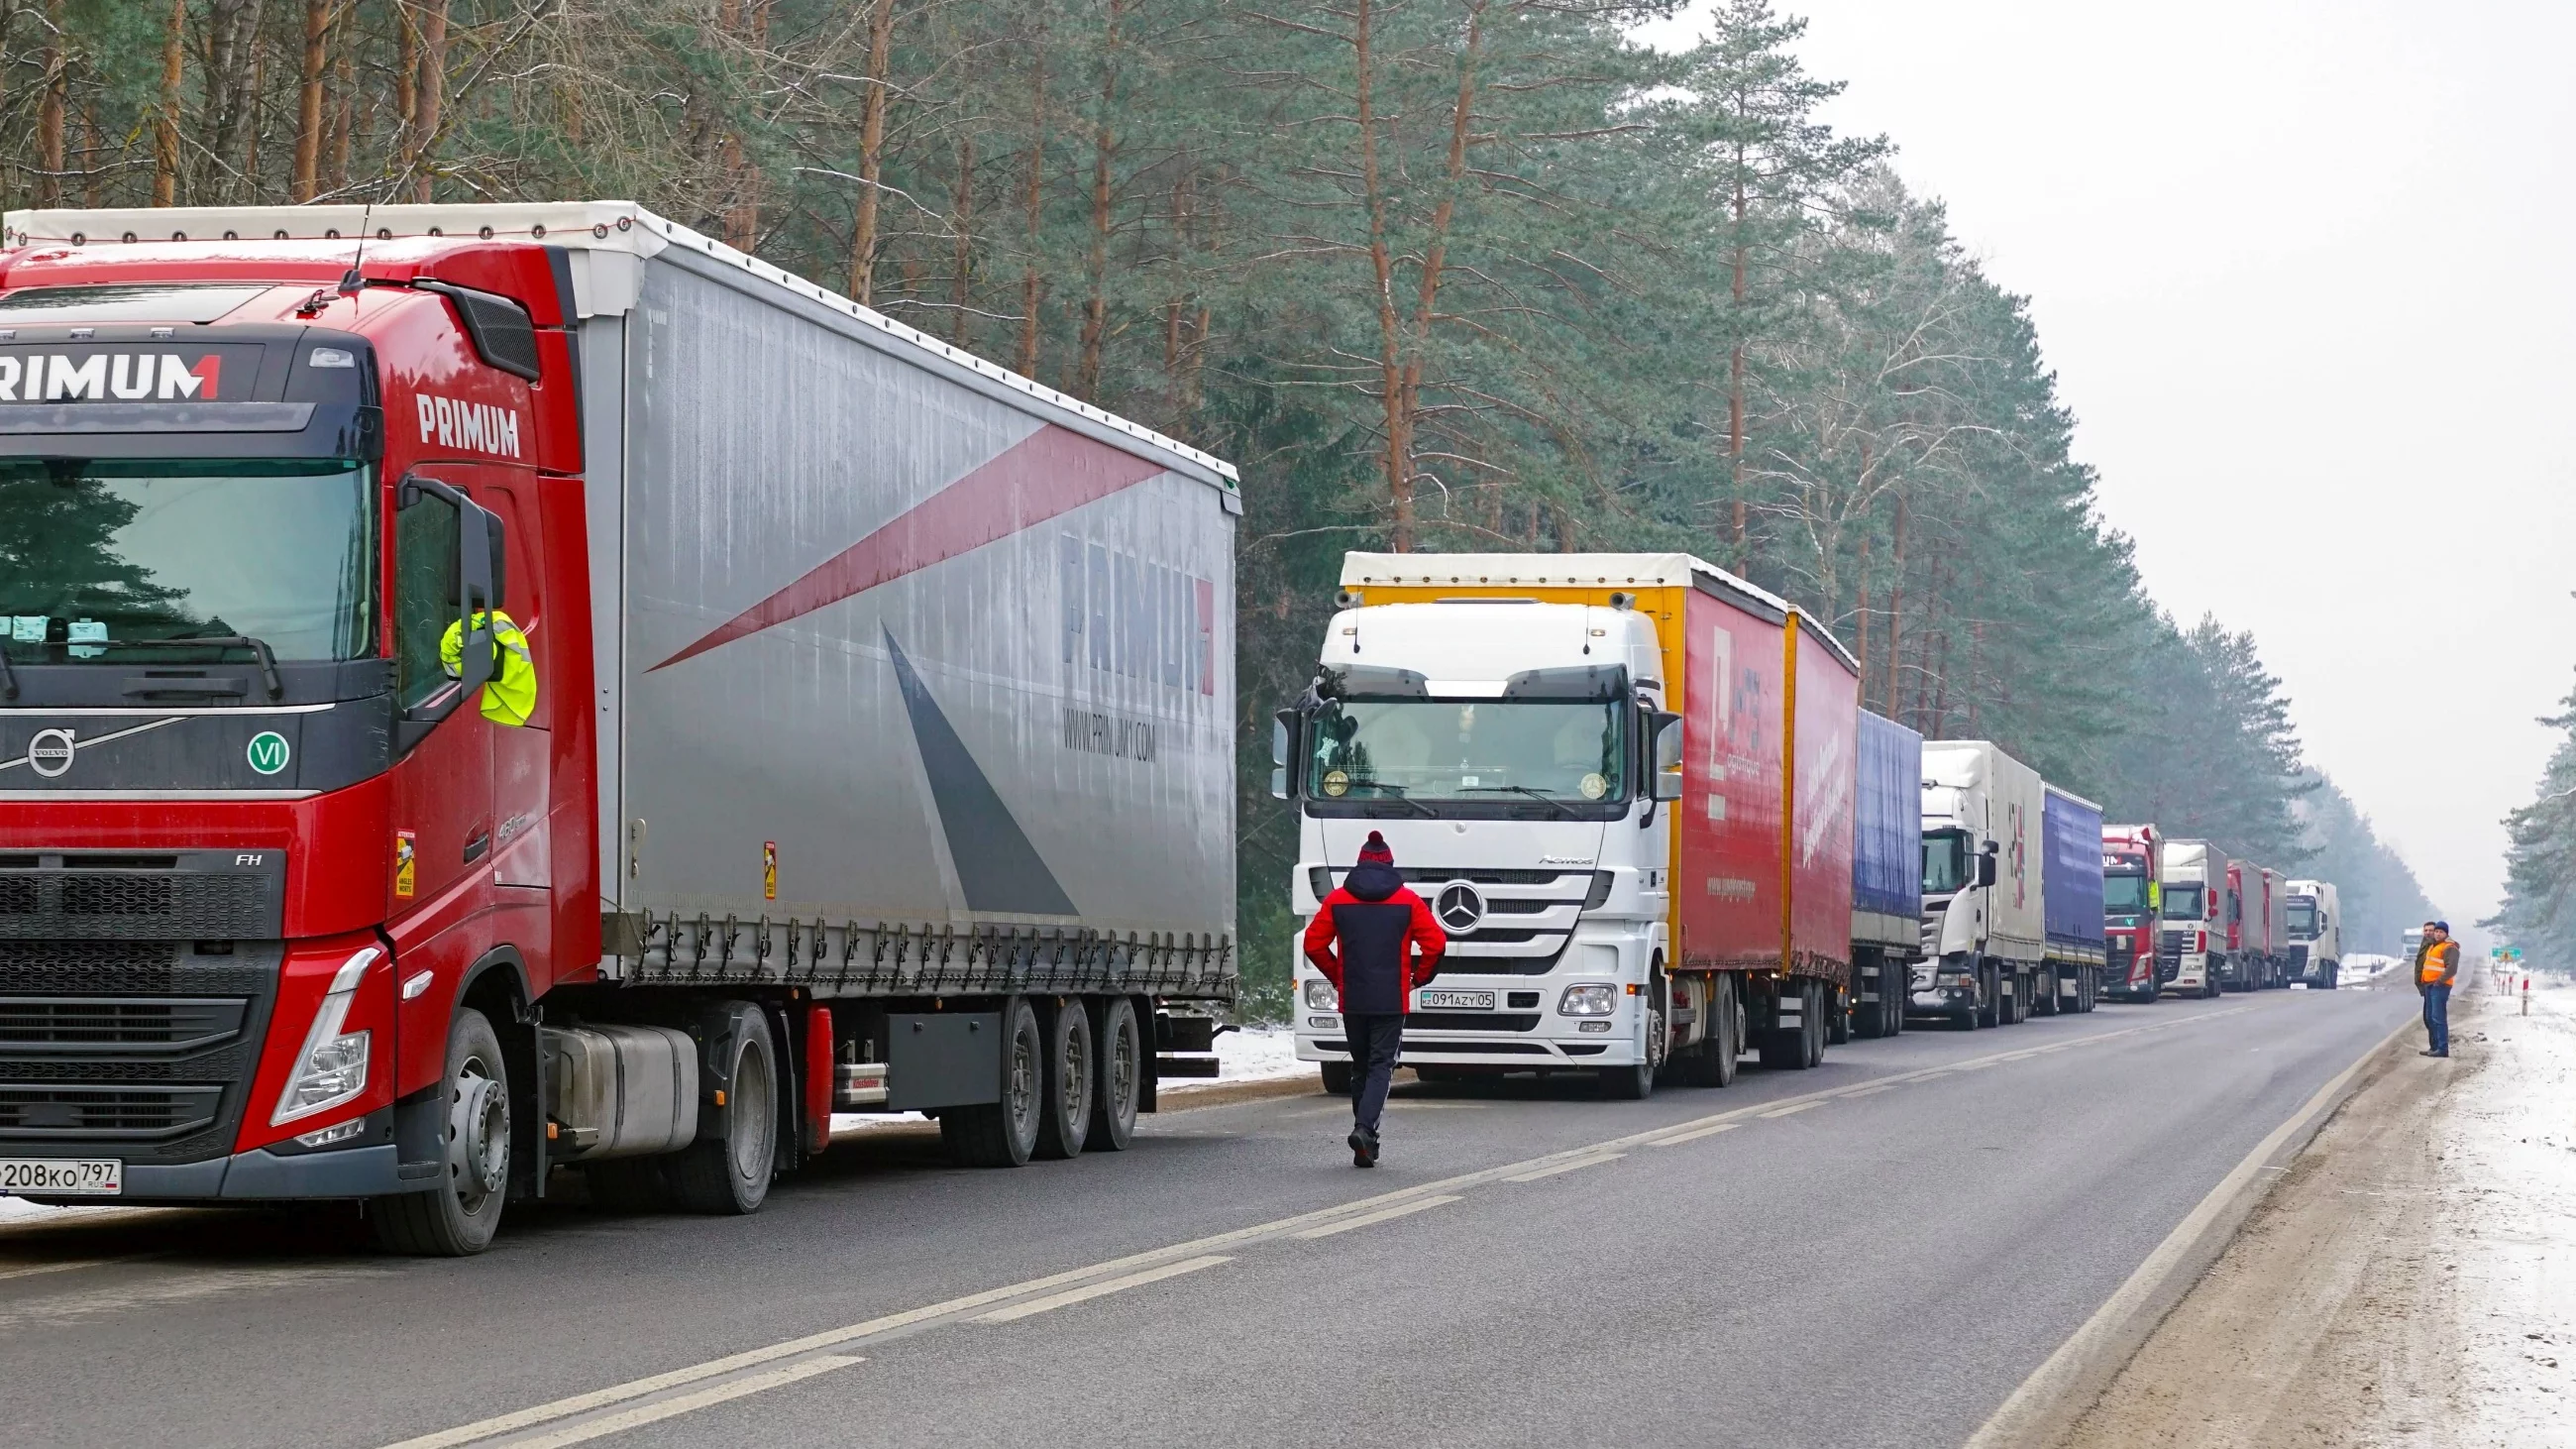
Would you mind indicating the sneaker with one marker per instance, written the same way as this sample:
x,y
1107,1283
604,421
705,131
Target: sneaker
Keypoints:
x,y
1363,1151
2429,1052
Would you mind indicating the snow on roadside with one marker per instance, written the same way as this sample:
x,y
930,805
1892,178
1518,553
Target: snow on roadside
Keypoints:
x,y
2509,1221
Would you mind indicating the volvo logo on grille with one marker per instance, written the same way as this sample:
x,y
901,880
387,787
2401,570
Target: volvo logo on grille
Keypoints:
x,y
50,753
1460,906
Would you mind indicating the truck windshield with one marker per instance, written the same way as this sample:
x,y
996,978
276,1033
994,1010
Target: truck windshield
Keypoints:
x,y
1946,860
2303,918
2124,893
150,549
2182,901
1483,750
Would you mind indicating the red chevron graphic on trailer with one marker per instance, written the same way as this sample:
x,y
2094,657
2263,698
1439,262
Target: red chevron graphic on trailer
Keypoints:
x,y
1050,472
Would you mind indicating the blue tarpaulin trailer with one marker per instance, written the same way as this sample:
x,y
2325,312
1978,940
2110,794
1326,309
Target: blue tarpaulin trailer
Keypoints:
x,y
1887,870
2071,895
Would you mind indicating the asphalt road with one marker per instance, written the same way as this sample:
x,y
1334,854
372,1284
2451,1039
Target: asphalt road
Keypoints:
x,y
1875,1252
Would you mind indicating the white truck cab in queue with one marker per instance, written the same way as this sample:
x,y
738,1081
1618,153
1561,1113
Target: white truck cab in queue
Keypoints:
x,y
1496,744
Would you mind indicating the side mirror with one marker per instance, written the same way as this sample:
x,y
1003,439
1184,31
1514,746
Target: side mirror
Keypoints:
x,y
1664,731
480,550
1986,866
1283,751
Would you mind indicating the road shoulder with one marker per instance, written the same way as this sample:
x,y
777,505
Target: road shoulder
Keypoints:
x,y
2406,1281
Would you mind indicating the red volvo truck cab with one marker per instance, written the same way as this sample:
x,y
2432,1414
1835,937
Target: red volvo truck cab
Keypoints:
x,y
343,669
243,769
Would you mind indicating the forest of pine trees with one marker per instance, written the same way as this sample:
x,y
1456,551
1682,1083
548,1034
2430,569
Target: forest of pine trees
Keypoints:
x,y
1437,274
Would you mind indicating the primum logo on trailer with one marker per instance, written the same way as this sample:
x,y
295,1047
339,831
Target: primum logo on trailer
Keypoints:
x,y
101,376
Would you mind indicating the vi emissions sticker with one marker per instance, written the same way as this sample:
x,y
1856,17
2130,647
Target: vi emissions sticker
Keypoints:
x,y
268,752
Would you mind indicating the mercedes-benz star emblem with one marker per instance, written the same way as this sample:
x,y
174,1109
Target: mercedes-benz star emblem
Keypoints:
x,y
1460,906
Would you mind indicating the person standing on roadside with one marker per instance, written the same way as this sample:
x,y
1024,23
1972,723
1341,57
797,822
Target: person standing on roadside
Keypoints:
x,y
2437,970
1389,945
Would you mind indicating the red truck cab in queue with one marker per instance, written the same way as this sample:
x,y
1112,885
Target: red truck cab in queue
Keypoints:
x,y
400,871
2133,904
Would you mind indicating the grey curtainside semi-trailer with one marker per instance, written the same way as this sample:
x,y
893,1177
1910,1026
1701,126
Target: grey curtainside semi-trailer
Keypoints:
x,y
879,754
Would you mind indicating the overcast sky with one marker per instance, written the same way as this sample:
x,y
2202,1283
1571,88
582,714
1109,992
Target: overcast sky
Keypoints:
x,y
2307,274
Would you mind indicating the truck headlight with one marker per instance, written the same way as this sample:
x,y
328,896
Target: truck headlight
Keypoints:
x,y
1588,998
1321,996
332,1067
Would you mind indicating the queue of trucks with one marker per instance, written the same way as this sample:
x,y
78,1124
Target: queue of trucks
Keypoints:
x,y
511,688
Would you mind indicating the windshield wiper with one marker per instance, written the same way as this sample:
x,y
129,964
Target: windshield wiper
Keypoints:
x,y
1399,797
258,647
1541,796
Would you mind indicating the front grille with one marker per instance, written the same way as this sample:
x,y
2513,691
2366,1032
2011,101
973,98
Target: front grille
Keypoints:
x,y
1419,874
70,1024
1514,936
2299,957
1472,1021
62,1110
145,1048
1520,908
196,896
2170,943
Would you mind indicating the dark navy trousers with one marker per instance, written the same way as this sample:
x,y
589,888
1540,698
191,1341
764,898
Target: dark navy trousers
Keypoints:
x,y
1376,1039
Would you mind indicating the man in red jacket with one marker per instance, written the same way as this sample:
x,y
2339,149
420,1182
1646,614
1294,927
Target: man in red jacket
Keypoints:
x,y
1380,925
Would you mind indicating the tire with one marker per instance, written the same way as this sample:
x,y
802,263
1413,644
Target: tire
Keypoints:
x,y
727,1174
1118,1045
1443,1076
1337,1078
1838,1019
2155,990
2047,1002
1064,1119
1636,1082
1787,1050
457,1218
1990,995
1712,1062
2334,976
1004,1133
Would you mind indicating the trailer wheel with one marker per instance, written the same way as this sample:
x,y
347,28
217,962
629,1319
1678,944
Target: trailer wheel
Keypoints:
x,y
728,1174
1004,1133
1071,1079
458,1217
1118,1047
1636,1083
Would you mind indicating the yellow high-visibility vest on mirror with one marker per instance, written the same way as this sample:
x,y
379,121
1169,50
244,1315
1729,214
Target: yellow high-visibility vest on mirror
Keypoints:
x,y
510,696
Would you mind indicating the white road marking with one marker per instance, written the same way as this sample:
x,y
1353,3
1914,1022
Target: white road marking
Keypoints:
x,y
672,1408
1381,1215
1791,1110
1551,1170
1694,1134
1872,1090
1585,1156
1089,1291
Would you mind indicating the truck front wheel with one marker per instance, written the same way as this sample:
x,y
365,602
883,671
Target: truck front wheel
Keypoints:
x,y
1990,995
1636,1083
1337,1078
458,1217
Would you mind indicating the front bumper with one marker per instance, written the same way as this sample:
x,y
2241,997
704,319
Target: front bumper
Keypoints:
x,y
261,1175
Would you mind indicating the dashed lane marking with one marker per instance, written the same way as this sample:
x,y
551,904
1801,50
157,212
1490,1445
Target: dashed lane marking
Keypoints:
x,y
955,1308
1552,1169
1791,1110
1089,1291
1381,1215
1694,1134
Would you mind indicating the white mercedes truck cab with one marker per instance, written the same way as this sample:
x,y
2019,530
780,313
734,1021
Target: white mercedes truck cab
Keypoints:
x,y
1505,750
